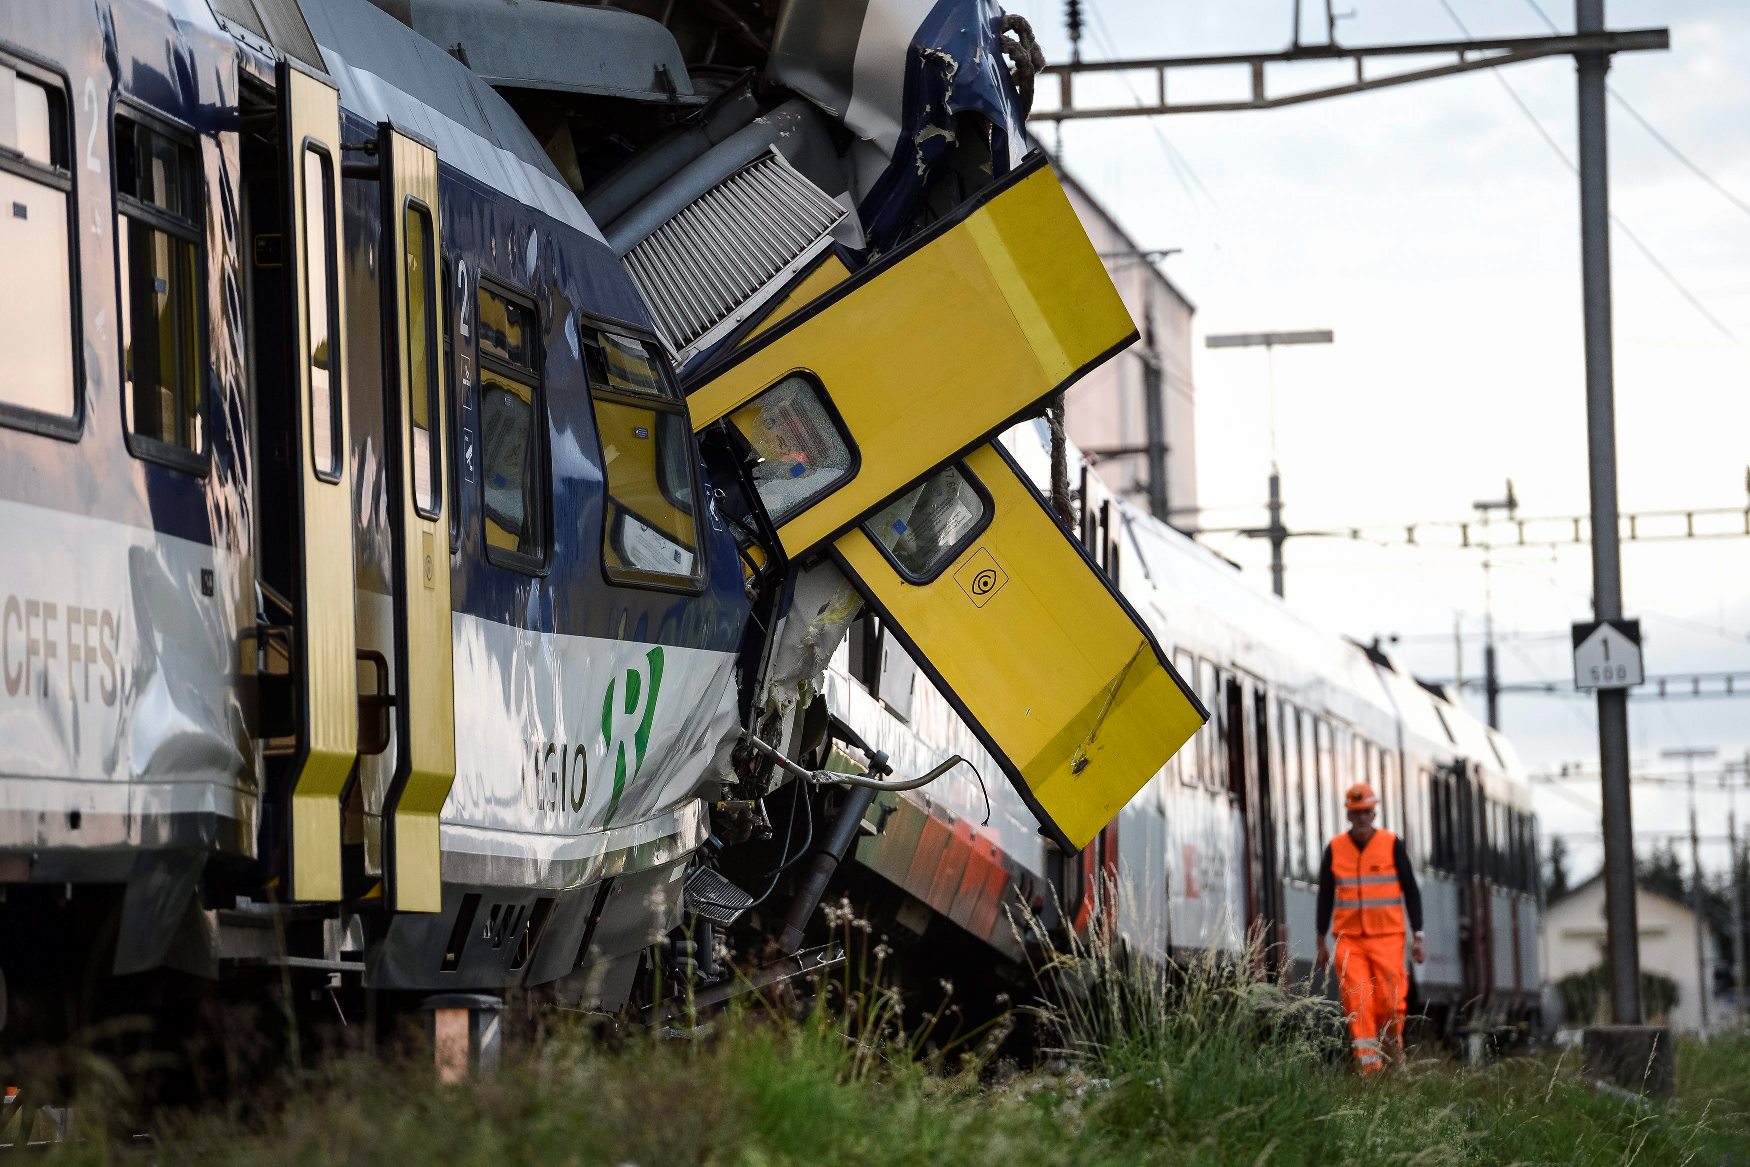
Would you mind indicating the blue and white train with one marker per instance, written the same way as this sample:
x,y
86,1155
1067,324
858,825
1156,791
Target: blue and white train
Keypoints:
x,y
381,612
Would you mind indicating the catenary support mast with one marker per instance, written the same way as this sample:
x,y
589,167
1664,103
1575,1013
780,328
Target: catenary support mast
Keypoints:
x,y
1622,949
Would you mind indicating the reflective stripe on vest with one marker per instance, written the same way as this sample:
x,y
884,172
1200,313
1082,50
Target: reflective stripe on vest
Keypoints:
x,y
1363,903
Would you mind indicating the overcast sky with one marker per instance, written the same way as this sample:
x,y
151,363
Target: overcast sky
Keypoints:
x,y
1437,232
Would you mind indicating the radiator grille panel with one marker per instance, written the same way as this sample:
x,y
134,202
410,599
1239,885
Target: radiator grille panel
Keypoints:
x,y
725,253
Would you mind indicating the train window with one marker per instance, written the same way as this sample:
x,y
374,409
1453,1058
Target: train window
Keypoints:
x,y
423,360
1422,837
1313,832
650,532
1510,876
1281,789
513,488
1392,786
158,236
926,528
36,185
321,303
457,394
1440,804
1215,733
796,446
1187,759
1329,799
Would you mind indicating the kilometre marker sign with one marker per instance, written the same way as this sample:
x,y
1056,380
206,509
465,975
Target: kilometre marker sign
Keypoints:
x,y
1607,654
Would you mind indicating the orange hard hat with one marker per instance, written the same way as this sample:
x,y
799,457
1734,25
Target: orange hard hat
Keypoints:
x,y
1360,797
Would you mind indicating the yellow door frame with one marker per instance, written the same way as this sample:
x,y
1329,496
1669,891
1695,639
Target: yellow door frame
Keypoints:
x,y
425,755
327,645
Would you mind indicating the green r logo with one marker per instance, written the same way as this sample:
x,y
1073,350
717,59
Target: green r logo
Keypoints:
x,y
626,721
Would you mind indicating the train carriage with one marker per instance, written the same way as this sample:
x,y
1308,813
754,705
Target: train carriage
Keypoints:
x,y
384,611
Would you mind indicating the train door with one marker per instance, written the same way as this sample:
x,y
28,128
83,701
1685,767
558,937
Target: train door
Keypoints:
x,y
303,649
1236,726
415,442
864,421
1473,913
1262,833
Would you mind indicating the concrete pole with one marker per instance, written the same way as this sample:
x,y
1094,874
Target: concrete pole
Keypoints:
x,y
1622,930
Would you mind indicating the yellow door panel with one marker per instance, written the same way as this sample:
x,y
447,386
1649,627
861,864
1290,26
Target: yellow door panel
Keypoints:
x,y
425,765
1044,660
918,358
327,644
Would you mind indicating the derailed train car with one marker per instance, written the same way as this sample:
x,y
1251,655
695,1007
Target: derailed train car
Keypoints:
x,y
1221,848
441,444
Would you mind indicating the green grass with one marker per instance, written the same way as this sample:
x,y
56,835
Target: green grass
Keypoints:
x,y
1189,1065
765,1093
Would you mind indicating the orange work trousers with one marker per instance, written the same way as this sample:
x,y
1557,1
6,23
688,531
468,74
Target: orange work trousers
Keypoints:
x,y
1375,991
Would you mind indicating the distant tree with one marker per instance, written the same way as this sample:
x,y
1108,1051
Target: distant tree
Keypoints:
x,y
1555,875
1663,872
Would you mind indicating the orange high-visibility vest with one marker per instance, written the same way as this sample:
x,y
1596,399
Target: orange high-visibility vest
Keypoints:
x,y
1369,901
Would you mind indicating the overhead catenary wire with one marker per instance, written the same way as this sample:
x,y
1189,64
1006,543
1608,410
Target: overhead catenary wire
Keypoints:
x,y
1616,221
1670,146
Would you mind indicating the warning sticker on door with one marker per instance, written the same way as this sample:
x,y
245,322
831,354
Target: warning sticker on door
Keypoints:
x,y
980,577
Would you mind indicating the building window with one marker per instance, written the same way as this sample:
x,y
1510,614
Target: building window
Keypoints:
x,y
158,237
36,194
650,533
512,412
321,309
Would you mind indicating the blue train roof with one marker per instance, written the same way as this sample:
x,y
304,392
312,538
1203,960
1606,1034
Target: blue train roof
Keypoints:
x,y
387,72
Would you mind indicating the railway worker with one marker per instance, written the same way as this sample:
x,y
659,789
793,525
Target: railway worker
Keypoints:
x,y
1366,890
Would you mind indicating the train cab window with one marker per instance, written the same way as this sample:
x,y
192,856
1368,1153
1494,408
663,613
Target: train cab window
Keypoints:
x,y
36,194
926,528
650,529
797,447
321,303
513,485
158,232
